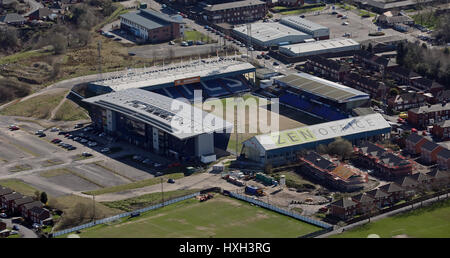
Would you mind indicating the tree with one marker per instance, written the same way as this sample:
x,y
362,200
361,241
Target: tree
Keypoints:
x,y
446,51
44,198
59,44
37,195
340,147
9,39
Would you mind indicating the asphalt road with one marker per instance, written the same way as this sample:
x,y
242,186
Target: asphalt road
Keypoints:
x,y
23,231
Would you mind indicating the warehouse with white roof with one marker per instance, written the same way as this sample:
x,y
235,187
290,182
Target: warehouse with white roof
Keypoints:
x,y
279,148
320,47
267,34
317,31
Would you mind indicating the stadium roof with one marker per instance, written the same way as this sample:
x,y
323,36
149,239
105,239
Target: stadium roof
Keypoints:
x,y
307,24
169,115
144,77
328,44
234,4
323,131
324,88
267,31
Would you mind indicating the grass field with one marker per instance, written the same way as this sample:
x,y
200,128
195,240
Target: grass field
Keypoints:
x,y
40,106
195,35
428,222
18,186
134,185
219,217
69,111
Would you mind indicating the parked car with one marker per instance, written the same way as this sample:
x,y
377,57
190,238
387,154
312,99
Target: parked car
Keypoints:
x,y
276,63
158,174
56,140
13,127
105,150
86,154
42,135
78,126
171,181
259,56
72,148
38,132
54,129
266,57
92,144
62,133
171,43
3,215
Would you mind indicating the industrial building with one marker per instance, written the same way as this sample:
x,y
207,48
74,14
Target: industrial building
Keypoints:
x,y
280,148
152,26
317,31
267,34
337,45
319,97
160,124
216,77
235,12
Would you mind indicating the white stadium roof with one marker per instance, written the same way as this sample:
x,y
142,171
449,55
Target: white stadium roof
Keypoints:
x,y
144,77
319,132
169,115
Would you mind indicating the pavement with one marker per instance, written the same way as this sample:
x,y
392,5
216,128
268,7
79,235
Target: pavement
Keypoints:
x,y
23,231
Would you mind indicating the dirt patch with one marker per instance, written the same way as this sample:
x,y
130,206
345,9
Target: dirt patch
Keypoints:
x,y
140,220
401,236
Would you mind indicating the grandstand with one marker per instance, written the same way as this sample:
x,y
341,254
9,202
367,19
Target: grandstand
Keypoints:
x,y
319,97
279,148
217,77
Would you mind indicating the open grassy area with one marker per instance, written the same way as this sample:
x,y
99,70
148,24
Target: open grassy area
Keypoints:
x,y
195,35
19,168
134,185
432,221
69,111
218,217
18,186
147,200
25,55
427,19
295,180
39,106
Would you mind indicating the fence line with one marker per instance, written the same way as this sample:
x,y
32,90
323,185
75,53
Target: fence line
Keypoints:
x,y
282,211
126,214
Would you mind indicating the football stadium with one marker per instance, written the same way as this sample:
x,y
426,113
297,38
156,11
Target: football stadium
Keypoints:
x,y
279,148
319,97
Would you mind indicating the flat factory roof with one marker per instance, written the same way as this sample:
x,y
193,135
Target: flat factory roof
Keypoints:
x,y
145,77
321,45
267,31
324,88
324,131
172,116
297,20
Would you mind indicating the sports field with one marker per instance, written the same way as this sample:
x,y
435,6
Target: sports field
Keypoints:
x,y
219,217
432,221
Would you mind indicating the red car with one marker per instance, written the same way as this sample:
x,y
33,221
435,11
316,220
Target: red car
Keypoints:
x,y
14,128
56,140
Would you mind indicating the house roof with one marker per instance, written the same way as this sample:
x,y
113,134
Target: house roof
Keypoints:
x,y
319,161
344,203
23,200
149,19
444,124
444,153
329,63
374,58
430,146
391,188
12,196
38,210
386,157
427,83
420,177
41,12
30,205
363,198
415,138
409,97
443,95
377,193
12,18
431,108
406,181
404,72
437,174
366,80
5,191
343,172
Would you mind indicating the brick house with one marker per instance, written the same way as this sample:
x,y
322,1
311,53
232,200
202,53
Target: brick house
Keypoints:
x,y
372,61
409,184
427,85
443,159
344,208
442,130
429,151
440,97
403,75
7,200
429,115
381,198
235,12
367,84
25,208
15,208
396,192
366,203
40,14
439,178
386,163
413,143
5,191
327,67
38,214
406,101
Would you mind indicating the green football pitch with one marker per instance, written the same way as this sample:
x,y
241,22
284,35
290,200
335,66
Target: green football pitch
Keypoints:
x,y
427,222
219,217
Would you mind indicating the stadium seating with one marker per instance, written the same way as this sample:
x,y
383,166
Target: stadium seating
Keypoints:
x,y
234,85
214,89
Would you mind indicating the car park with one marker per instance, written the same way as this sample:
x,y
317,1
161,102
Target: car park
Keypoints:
x,y
42,135
56,140
92,144
83,140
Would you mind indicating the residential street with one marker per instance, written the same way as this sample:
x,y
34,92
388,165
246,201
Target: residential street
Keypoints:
x,y
23,231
